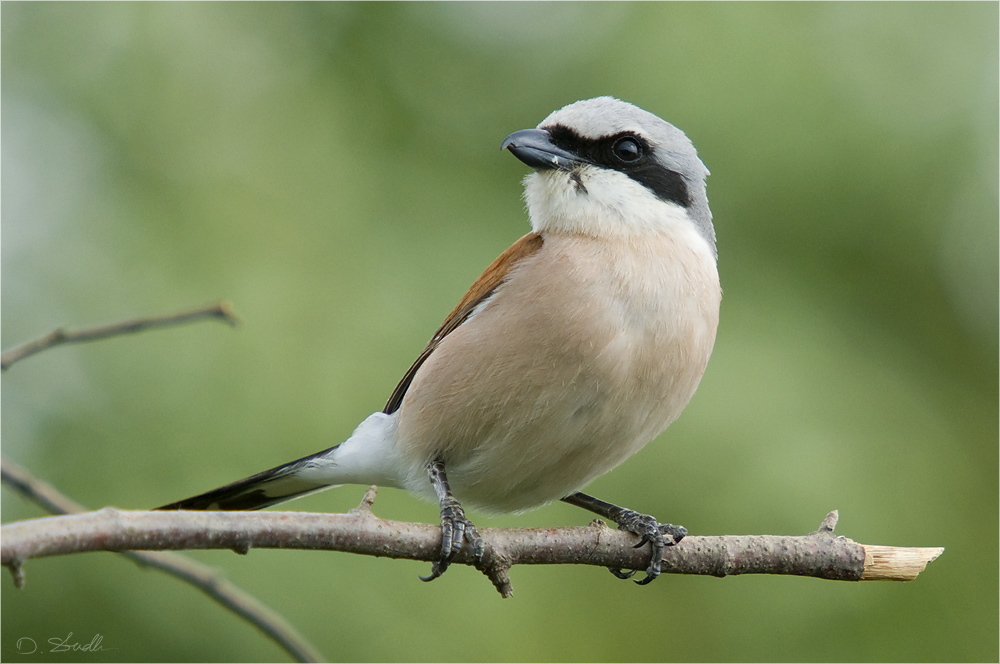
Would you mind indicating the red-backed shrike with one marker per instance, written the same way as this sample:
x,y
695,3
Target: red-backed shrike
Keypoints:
x,y
575,348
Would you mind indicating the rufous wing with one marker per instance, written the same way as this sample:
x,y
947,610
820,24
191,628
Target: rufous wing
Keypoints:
x,y
482,288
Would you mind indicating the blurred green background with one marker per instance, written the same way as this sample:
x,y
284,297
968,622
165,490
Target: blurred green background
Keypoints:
x,y
334,171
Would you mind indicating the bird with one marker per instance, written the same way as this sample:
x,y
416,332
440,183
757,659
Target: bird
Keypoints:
x,y
575,348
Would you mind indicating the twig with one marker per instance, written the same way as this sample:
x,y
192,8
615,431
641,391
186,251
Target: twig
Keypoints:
x,y
202,577
221,310
820,554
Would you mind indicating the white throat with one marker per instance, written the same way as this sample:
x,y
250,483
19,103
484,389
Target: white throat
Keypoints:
x,y
599,203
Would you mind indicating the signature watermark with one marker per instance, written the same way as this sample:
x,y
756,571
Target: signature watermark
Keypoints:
x,y
59,644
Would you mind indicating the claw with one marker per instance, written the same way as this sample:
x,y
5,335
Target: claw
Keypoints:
x,y
622,574
649,577
676,533
436,571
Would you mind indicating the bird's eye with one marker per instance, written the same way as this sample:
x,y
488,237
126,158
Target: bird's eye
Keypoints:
x,y
627,149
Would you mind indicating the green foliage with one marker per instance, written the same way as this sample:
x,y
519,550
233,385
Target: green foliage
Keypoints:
x,y
334,171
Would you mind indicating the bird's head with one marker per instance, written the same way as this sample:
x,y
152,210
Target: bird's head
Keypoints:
x,y
604,167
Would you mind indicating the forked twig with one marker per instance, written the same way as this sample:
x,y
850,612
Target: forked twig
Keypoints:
x,y
220,310
202,577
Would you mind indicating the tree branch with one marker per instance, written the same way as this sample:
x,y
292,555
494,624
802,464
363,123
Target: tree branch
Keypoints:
x,y
221,310
820,554
202,577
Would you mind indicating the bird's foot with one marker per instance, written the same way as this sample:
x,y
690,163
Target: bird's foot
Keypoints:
x,y
456,529
659,536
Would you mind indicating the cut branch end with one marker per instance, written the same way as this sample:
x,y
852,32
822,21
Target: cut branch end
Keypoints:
x,y
893,563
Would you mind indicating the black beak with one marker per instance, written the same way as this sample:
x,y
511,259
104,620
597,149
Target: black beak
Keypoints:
x,y
535,148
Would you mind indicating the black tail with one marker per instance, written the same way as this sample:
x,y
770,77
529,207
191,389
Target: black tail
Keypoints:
x,y
257,491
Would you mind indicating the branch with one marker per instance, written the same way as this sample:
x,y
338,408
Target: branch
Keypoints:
x,y
220,310
202,577
820,554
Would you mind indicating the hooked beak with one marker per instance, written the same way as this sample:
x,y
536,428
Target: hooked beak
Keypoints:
x,y
535,148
